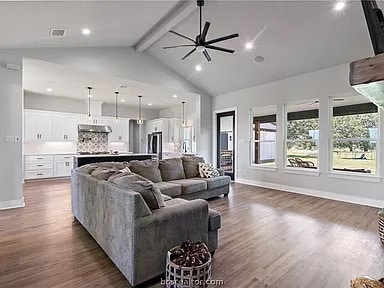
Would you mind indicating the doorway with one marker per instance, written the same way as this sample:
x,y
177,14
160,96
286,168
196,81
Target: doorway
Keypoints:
x,y
226,142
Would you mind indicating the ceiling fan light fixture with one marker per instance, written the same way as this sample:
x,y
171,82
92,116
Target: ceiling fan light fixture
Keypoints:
x,y
200,49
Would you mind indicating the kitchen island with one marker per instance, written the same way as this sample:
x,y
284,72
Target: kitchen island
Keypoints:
x,y
80,160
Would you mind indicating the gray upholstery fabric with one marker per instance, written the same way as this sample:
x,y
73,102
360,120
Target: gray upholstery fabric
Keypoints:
x,y
147,168
104,173
214,220
189,186
171,169
207,194
166,198
175,201
116,165
170,189
215,182
191,165
88,168
119,174
134,237
146,188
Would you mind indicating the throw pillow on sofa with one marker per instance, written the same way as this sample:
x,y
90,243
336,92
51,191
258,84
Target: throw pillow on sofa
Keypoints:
x,y
88,168
191,165
147,168
148,190
115,165
208,171
171,169
104,173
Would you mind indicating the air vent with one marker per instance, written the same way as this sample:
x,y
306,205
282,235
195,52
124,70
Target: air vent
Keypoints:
x,y
57,32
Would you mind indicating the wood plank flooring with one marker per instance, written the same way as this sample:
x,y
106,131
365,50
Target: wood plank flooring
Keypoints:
x,y
268,239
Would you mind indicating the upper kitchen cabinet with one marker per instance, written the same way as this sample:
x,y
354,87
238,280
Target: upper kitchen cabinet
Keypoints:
x,y
65,127
174,134
120,130
157,125
38,125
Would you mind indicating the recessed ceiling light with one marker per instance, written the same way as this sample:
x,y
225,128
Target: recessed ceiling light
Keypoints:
x,y
149,104
249,46
174,96
122,100
48,89
259,59
86,31
339,6
198,68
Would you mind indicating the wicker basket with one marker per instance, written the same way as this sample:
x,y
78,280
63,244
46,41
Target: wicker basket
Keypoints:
x,y
381,225
187,277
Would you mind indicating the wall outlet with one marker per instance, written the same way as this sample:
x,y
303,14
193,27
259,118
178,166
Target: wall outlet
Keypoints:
x,y
10,139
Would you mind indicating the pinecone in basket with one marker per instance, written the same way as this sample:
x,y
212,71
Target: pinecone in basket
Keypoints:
x,y
190,254
367,282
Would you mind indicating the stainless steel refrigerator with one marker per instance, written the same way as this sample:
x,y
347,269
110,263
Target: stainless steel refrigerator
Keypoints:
x,y
155,146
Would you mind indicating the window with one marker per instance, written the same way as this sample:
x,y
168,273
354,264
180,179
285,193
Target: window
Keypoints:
x,y
263,143
302,135
355,127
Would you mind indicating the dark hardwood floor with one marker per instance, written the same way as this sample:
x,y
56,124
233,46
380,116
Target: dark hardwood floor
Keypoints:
x,y
268,239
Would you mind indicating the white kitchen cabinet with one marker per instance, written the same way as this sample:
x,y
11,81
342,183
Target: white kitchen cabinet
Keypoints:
x,y
65,127
120,131
38,166
63,165
174,133
38,125
157,125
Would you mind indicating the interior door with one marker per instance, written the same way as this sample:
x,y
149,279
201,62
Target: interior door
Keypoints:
x,y
226,142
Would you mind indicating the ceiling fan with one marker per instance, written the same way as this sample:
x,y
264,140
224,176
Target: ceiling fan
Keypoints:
x,y
201,44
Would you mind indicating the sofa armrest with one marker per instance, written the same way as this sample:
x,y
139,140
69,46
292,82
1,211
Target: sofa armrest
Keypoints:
x,y
166,228
221,171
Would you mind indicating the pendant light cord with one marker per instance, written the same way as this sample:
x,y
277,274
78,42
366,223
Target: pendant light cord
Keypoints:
x,y
116,106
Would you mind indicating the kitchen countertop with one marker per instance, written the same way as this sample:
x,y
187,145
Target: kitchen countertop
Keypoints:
x,y
113,155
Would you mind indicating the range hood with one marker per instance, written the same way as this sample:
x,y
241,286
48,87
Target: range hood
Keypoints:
x,y
94,128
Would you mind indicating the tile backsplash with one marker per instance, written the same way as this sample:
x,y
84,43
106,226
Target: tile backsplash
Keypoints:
x,y
92,142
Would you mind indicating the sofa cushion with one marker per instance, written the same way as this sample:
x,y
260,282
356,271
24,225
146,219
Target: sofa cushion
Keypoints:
x,y
170,189
216,182
103,173
114,165
191,165
189,186
166,198
119,174
214,220
148,190
88,168
176,201
171,169
147,168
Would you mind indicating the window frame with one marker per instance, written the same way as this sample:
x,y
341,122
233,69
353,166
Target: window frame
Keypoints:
x,y
252,142
349,175
299,170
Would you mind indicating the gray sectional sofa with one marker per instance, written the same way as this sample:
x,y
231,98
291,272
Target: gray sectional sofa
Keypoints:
x,y
136,227
180,177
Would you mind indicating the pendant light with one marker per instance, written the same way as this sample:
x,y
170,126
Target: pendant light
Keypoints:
x,y
117,119
140,118
183,124
89,103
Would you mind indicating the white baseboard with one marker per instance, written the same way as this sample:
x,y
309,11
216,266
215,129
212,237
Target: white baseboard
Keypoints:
x,y
316,193
19,203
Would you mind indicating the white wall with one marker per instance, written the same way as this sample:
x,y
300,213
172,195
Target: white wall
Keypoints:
x,y
118,62
316,85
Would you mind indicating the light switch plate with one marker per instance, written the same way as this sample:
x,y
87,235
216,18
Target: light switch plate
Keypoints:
x,y
10,139
17,139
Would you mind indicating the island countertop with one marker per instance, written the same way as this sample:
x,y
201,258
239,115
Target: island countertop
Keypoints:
x,y
80,160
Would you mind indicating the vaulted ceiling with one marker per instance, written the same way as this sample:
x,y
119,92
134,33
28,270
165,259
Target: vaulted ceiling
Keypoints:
x,y
294,37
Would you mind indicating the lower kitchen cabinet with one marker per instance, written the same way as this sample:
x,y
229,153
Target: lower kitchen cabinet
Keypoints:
x,y
47,166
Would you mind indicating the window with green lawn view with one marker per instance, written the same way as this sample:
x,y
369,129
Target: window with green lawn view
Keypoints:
x,y
263,143
302,135
355,126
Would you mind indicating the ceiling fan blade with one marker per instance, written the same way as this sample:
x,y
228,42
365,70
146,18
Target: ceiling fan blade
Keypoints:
x,y
181,35
219,48
177,46
193,50
222,38
205,31
207,55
